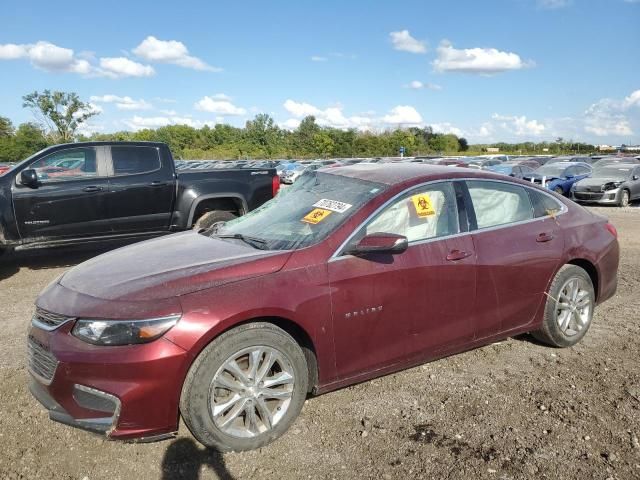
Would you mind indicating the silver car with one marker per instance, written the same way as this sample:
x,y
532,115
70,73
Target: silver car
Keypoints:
x,y
613,184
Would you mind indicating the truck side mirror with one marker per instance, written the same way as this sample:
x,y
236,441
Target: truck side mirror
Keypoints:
x,y
29,178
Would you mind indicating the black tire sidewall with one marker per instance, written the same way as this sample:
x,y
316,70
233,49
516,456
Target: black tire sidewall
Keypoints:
x,y
550,332
194,402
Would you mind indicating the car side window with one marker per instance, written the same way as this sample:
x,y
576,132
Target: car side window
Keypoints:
x,y
543,205
427,212
497,203
582,170
132,160
65,165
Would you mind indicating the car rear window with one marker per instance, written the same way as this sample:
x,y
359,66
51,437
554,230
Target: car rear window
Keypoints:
x,y
543,205
132,160
498,203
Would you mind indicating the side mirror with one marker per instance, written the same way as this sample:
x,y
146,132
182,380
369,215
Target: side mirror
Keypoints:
x,y
381,243
29,178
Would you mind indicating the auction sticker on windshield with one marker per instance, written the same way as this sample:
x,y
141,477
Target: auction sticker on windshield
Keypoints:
x,y
423,205
316,216
333,205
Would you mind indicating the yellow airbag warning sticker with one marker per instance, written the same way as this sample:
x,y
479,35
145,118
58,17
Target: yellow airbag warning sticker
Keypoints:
x,y
423,205
316,215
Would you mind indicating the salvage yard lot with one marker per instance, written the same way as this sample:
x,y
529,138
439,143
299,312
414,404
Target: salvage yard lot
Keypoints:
x,y
516,409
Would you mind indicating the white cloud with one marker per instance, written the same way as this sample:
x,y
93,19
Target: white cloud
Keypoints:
x,y
485,61
168,112
334,117
329,117
418,85
553,4
519,125
403,115
403,41
138,122
318,58
118,67
447,127
46,56
170,51
220,104
290,124
122,103
632,100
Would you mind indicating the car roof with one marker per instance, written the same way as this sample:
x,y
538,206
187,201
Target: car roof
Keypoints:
x,y
399,173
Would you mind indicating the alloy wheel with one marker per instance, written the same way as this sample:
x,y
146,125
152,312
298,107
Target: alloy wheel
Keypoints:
x,y
573,307
251,392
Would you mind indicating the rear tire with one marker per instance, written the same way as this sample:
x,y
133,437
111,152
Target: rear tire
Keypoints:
x,y
245,388
209,219
624,198
569,308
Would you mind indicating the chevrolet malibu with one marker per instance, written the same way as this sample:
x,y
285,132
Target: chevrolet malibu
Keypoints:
x,y
352,273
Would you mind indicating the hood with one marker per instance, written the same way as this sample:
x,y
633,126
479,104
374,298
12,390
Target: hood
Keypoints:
x,y
170,266
598,182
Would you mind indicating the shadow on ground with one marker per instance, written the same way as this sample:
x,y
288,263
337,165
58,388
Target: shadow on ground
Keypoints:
x,y
11,263
184,459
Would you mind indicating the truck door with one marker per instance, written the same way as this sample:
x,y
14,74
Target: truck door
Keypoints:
x,y
141,189
70,198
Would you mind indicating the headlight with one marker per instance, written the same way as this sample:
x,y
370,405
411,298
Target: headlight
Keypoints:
x,y
611,186
122,332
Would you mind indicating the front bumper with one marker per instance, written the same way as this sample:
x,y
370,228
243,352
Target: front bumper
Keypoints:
x,y
609,197
125,392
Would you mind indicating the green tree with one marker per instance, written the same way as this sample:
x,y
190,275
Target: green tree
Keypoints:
x,y
323,144
61,112
463,145
6,127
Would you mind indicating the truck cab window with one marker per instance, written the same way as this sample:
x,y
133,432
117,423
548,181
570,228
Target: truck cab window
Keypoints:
x,y
73,164
133,160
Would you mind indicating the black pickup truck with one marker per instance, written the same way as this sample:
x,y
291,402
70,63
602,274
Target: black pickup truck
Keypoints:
x,y
96,191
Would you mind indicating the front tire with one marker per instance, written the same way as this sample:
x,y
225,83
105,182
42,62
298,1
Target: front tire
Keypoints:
x,y
569,308
245,389
624,198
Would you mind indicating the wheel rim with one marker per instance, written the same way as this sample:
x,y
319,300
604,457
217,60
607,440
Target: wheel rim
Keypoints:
x,y
573,307
559,190
625,198
251,391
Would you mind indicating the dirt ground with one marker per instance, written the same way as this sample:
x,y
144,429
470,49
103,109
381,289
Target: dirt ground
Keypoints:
x,y
515,409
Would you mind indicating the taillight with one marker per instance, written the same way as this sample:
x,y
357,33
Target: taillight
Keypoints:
x,y
275,185
612,229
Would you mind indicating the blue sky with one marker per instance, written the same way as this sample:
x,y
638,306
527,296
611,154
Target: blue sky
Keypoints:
x,y
502,70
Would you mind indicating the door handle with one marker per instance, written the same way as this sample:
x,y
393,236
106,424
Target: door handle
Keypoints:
x,y
544,237
455,255
157,184
92,189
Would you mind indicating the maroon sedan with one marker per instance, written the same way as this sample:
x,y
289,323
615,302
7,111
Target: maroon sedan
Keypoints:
x,y
352,273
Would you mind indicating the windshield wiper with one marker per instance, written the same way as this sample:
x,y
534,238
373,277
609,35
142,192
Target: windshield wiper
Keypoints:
x,y
255,242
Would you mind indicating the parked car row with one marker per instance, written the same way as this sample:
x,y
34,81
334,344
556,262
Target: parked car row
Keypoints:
x,y
563,175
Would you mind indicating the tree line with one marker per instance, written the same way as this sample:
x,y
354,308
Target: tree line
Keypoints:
x,y
59,116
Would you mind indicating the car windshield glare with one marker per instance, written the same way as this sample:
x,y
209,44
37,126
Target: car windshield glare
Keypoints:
x,y
305,213
611,171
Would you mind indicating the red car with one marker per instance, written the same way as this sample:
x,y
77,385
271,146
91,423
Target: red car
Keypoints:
x,y
351,273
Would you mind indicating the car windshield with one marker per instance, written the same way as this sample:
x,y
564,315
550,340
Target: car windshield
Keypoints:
x,y
506,170
552,170
612,171
303,214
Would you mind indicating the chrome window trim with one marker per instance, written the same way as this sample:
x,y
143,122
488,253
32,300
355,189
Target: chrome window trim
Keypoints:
x,y
43,326
339,252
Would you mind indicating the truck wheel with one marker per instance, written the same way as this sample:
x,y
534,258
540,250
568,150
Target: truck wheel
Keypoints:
x,y
245,389
569,308
209,219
